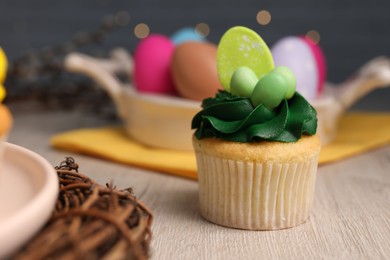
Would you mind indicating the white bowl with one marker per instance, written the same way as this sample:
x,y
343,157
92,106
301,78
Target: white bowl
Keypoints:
x,y
28,192
163,121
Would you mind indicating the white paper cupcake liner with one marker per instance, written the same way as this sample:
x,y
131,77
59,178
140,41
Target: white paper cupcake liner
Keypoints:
x,y
255,196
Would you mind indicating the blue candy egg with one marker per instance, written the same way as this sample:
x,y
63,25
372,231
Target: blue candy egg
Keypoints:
x,y
186,34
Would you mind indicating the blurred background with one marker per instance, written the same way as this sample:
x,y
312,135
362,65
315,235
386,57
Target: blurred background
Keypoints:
x,y
351,32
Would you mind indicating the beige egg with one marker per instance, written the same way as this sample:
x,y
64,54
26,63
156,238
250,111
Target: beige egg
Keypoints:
x,y
194,70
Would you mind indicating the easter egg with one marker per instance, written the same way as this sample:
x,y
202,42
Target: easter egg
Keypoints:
x,y
307,61
295,54
270,90
320,60
3,72
291,81
240,46
243,82
152,62
3,65
186,34
194,70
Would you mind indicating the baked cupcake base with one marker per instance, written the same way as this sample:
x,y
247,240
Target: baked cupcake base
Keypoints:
x,y
264,186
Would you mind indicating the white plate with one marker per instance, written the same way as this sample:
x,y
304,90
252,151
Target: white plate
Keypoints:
x,y
28,191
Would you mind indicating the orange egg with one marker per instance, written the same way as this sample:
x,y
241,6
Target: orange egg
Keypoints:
x,y
194,70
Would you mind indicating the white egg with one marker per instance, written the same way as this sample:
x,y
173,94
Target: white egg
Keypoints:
x,y
294,53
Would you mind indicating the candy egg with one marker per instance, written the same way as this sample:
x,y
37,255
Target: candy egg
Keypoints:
x,y
3,72
270,90
290,80
194,70
243,82
3,65
186,34
152,60
295,54
321,62
240,46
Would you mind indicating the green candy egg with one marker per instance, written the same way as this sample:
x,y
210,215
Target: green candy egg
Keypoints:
x,y
290,80
270,90
241,46
243,82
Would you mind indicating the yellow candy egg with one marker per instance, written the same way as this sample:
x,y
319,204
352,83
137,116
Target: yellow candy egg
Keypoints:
x,y
3,65
3,72
2,93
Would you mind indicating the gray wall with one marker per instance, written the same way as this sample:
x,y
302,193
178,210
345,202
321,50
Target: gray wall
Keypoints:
x,y
352,32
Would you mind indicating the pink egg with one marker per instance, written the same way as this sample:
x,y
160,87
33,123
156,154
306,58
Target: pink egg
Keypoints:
x,y
321,62
307,62
152,62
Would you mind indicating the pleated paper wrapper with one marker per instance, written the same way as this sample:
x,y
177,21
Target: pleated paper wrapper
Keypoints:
x,y
255,196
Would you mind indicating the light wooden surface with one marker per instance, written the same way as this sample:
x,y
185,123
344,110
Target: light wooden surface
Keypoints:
x,y
350,218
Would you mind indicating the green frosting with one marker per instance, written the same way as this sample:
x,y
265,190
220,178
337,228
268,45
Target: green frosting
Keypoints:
x,y
234,118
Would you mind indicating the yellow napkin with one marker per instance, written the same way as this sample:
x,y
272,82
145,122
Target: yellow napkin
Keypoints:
x,y
358,132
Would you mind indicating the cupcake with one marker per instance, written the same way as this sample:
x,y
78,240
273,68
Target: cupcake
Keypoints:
x,y
5,115
255,142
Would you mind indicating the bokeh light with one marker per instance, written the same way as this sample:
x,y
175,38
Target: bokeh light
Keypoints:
x,y
203,29
263,17
314,36
122,18
141,30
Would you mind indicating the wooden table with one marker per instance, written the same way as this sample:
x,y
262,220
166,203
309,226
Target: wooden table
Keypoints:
x,y
350,218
